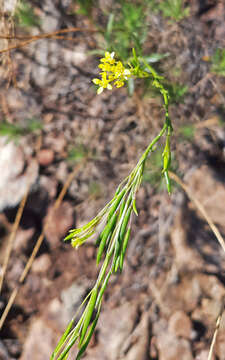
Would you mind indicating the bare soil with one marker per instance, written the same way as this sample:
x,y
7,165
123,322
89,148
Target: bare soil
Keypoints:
x,y
165,303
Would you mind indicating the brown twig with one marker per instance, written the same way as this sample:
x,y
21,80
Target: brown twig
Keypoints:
x,y
200,207
44,36
38,244
12,237
218,322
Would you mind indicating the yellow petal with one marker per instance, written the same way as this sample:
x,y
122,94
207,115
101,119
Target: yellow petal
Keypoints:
x,y
96,81
100,90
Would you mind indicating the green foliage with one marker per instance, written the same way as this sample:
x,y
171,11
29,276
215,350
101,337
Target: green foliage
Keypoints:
x,y
187,132
95,189
85,7
218,62
14,132
126,28
176,92
78,153
173,9
25,15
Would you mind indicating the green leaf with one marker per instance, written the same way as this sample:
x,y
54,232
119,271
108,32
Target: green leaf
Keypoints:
x,y
153,58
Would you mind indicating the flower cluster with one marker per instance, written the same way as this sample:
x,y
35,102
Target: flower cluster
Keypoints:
x,y
113,73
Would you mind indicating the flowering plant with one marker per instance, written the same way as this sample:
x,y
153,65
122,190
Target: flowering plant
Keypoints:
x,y
116,216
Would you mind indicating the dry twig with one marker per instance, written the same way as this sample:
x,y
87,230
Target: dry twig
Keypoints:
x,y
200,207
12,237
42,36
218,322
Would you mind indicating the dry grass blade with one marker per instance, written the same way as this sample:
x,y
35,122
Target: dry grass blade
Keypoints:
x,y
38,244
44,36
12,237
218,322
201,209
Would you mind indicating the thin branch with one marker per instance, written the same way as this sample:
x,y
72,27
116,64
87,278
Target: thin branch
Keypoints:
x,y
201,209
44,36
38,244
218,322
12,237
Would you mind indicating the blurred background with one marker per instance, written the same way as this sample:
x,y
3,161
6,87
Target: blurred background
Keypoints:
x,y
57,135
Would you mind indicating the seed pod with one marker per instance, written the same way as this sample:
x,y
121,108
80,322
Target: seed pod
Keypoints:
x,y
124,224
88,338
102,290
125,242
107,231
89,312
116,203
116,253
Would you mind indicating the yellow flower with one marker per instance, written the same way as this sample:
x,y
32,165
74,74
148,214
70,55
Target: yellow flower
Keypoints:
x,y
112,72
103,83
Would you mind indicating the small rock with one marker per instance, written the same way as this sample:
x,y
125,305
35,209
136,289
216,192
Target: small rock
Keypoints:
x,y
39,342
220,345
9,6
3,352
14,181
45,157
180,324
203,355
77,56
210,192
22,239
60,311
185,256
50,185
15,270
41,264
172,348
62,173
114,326
184,295
13,346
138,341
59,221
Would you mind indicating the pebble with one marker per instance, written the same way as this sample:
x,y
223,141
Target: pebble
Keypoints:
x,y
45,157
180,325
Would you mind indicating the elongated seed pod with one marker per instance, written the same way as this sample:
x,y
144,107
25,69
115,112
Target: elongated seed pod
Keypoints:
x,y
116,253
103,287
124,224
88,337
90,309
116,203
117,264
125,242
107,231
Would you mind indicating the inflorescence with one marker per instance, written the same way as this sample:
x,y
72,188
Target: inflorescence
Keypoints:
x,y
113,73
